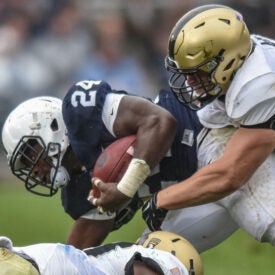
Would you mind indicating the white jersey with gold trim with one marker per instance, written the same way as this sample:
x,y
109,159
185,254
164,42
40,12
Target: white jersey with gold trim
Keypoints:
x,y
250,98
252,206
114,261
249,101
61,259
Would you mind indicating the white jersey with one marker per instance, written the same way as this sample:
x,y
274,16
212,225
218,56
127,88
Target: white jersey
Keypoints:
x,y
56,258
252,206
61,259
250,98
114,261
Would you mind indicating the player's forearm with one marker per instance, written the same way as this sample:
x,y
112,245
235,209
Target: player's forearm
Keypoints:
x,y
203,187
154,126
244,153
151,145
155,139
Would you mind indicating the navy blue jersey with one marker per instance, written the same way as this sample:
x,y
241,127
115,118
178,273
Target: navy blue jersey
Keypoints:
x,y
182,162
74,195
82,111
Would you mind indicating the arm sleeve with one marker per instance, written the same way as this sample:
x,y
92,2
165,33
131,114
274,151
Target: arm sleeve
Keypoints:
x,y
109,112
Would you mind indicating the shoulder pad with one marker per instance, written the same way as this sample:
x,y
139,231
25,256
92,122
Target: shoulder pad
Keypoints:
x,y
254,83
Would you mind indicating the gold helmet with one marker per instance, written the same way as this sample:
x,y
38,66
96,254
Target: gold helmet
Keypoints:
x,y
207,45
178,246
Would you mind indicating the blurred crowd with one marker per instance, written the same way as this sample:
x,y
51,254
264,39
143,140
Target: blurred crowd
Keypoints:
x,y
45,46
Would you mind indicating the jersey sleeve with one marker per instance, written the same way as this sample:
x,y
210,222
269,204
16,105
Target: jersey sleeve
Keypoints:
x,y
82,114
255,103
250,99
110,110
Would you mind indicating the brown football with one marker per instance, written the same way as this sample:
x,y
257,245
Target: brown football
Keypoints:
x,y
113,161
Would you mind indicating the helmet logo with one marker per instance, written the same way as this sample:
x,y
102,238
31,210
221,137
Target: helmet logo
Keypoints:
x,y
153,242
211,65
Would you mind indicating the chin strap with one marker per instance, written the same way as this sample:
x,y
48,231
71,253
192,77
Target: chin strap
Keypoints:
x,y
61,177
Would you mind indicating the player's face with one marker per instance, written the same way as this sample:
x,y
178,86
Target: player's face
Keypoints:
x,y
41,169
196,79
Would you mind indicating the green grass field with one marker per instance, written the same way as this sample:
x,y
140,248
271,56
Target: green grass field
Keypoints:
x,y
27,219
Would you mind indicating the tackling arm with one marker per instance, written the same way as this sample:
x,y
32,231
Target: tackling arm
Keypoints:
x,y
155,129
244,153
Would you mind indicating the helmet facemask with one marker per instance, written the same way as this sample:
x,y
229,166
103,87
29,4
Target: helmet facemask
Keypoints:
x,y
26,157
206,48
35,139
194,87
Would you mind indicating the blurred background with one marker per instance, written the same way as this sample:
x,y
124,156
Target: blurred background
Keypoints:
x,y
46,45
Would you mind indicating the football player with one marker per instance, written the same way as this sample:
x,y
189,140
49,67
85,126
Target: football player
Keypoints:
x,y
228,75
160,253
47,153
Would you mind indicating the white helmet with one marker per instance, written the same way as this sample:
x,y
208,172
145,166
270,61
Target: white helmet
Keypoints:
x,y
178,246
37,120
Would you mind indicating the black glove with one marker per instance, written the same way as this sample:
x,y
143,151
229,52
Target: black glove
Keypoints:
x,y
153,215
126,213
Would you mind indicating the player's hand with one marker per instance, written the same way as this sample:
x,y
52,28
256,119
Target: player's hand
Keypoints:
x,y
109,199
153,215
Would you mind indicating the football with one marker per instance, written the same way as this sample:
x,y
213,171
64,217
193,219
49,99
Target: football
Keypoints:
x,y
113,161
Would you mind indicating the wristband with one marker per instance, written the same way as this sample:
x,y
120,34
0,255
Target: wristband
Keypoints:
x,y
138,170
